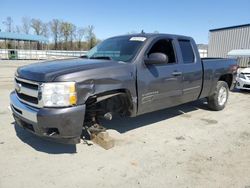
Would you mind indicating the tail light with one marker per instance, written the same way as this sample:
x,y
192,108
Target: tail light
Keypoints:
x,y
234,68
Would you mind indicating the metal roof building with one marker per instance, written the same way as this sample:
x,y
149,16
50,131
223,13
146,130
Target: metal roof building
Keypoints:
x,y
16,46
239,53
22,37
223,40
15,41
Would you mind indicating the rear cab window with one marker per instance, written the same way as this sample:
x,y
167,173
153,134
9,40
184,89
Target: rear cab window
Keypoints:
x,y
187,51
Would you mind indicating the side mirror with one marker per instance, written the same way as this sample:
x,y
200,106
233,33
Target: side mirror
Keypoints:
x,y
156,58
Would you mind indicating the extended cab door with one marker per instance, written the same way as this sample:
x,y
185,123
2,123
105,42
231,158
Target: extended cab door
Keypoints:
x,y
159,85
192,73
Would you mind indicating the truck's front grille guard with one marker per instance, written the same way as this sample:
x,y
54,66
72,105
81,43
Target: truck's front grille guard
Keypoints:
x,y
40,103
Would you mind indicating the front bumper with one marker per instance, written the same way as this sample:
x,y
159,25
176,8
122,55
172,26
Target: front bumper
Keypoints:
x,y
60,124
242,83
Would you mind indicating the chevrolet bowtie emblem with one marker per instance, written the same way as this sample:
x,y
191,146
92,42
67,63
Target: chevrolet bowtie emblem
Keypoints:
x,y
18,87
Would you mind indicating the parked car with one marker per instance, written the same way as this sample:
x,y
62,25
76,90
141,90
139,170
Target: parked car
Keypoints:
x,y
126,75
243,79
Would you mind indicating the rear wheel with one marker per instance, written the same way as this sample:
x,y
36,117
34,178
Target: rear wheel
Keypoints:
x,y
218,100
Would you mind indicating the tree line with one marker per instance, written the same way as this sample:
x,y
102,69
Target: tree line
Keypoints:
x,y
65,35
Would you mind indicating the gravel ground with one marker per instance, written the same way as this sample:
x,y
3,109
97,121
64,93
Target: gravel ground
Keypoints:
x,y
185,146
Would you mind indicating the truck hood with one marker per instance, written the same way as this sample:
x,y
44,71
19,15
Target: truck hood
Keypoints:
x,y
48,71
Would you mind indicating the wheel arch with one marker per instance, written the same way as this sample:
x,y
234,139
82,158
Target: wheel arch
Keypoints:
x,y
110,99
228,78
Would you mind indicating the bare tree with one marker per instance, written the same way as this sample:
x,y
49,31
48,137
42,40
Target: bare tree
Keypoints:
x,y
26,24
65,34
55,30
9,24
90,36
72,35
67,31
45,29
79,35
17,29
37,25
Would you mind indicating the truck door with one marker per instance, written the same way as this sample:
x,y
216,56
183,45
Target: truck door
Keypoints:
x,y
191,70
159,85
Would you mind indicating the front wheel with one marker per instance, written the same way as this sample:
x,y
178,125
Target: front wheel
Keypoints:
x,y
218,100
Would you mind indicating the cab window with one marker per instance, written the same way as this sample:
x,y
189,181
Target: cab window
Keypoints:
x,y
164,46
187,51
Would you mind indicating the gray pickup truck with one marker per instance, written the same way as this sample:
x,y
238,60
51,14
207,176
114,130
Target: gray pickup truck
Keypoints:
x,y
126,75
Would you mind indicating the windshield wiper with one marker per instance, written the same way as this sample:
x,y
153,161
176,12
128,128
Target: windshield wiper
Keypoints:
x,y
102,57
84,57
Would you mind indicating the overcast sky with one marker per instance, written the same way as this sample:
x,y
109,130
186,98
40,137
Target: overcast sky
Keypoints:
x,y
116,17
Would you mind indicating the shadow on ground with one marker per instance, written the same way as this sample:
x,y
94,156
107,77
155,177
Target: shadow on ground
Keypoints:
x,y
121,125
241,91
43,145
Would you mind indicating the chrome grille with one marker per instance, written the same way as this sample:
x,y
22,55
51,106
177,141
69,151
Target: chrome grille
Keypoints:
x,y
27,91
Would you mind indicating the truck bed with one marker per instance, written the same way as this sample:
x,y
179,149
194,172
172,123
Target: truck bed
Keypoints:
x,y
213,68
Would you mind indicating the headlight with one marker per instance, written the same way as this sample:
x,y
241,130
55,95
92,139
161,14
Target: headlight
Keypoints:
x,y
242,76
59,94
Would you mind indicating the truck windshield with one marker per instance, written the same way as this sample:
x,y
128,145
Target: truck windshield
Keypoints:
x,y
117,48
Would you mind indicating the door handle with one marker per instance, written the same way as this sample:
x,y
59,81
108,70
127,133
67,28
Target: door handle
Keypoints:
x,y
175,73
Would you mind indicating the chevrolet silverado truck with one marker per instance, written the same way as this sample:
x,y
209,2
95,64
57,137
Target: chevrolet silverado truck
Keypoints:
x,y
125,75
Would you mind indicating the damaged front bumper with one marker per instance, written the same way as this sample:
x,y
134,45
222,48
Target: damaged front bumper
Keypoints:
x,y
242,83
60,124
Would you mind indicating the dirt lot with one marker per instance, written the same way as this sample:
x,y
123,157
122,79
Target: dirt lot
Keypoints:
x,y
186,146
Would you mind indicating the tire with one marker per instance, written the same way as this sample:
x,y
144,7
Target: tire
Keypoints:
x,y
218,100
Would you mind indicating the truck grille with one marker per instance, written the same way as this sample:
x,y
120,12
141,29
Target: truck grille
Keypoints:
x,y
26,84
27,91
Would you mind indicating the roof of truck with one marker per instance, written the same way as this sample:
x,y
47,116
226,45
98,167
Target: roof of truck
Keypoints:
x,y
150,35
